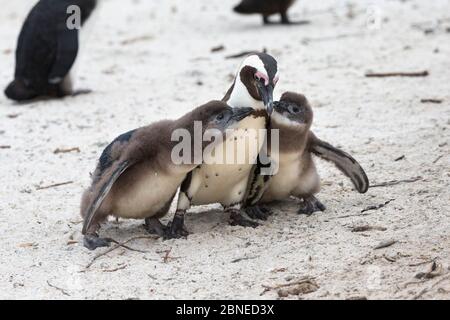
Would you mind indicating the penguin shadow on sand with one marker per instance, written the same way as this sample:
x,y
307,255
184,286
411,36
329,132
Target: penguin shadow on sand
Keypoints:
x,y
269,9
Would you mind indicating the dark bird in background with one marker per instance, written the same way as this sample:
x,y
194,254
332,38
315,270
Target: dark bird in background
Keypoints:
x,y
267,8
46,50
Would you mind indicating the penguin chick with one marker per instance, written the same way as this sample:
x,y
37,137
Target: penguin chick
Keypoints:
x,y
297,175
136,177
267,8
47,49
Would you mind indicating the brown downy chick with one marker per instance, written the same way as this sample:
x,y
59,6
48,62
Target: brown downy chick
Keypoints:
x,y
297,175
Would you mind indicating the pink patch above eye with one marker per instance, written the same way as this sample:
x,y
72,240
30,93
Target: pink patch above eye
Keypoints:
x,y
261,75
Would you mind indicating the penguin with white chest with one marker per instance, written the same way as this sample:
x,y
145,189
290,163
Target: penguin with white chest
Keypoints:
x,y
268,8
297,175
226,182
137,177
47,48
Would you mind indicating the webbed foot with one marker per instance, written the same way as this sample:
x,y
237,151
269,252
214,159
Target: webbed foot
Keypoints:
x,y
310,205
237,219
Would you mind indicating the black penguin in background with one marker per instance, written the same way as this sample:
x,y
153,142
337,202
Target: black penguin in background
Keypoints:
x,y
46,50
267,8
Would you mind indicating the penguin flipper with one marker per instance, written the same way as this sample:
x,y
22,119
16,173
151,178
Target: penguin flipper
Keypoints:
x,y
342,160
66,53
103,192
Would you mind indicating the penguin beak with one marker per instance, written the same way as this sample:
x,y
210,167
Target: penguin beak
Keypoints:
x,y
240,113
266,94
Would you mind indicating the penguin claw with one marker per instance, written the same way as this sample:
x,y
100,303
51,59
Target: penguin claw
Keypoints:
x,y
311,205
258,212
237,219
80,92
93,242
172,233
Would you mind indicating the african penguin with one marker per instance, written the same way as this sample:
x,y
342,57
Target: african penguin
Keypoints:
x,y
137,178
297,175
267,8
47,49
226,182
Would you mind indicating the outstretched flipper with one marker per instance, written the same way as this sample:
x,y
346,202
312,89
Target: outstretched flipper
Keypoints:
x,y
342,160
102,193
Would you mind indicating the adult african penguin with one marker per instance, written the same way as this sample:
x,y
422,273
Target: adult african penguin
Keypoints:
x,y
226,182
47,48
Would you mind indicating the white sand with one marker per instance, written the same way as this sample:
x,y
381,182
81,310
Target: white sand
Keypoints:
x,y
155,76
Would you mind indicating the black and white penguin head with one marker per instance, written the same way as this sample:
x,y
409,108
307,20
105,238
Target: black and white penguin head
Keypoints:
x,y
255,82
293,110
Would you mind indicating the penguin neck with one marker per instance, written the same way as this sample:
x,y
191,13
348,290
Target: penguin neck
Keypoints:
x,y
240,97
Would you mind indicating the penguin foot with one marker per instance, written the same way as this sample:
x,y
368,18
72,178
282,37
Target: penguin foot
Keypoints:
x,y
258,212
237,219
154,226
310,205
176,229
92,241
80,92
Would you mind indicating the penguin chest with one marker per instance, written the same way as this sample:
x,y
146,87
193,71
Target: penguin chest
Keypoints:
x,y
225,184
144,192
287,178
224,176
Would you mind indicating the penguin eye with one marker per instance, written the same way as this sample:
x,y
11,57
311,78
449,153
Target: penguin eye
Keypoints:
x,y
220,116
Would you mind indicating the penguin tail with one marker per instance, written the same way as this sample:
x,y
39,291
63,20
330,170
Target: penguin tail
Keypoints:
x,y
342,160
17,91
